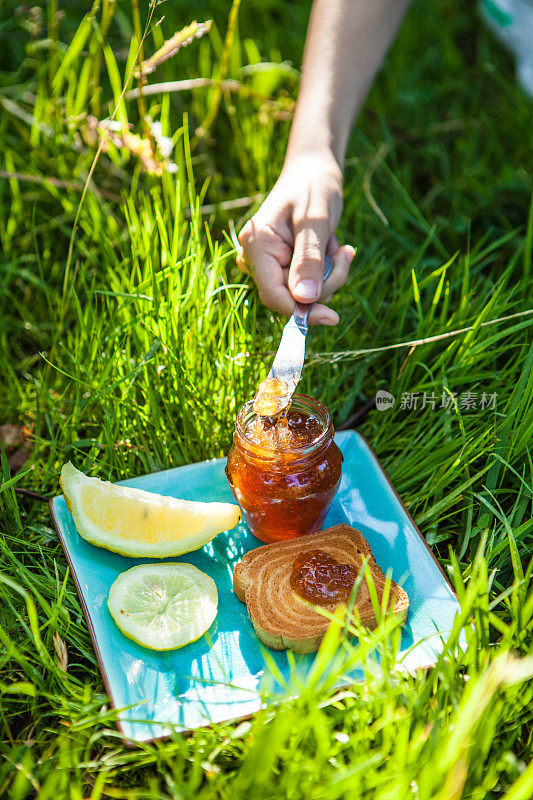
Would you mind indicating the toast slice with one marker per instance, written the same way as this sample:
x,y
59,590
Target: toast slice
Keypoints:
x,y
281,618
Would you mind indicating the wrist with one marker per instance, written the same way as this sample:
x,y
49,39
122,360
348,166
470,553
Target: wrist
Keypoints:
x,y
321,145
319,158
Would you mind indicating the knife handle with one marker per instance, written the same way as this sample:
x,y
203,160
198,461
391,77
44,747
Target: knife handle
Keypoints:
x,y
301,310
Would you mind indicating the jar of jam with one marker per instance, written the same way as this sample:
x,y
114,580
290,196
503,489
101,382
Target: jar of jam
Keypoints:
x,y
284,470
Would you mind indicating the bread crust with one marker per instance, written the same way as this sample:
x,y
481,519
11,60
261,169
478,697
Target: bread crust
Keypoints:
x,y
280,617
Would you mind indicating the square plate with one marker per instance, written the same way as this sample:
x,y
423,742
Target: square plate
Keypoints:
x,y
211,682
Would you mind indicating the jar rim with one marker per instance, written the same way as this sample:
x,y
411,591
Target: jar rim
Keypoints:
x,y
299,402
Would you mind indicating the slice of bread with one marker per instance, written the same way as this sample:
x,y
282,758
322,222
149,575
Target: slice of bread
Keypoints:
x,y
281,618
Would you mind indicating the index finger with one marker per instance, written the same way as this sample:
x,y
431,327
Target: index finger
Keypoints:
x,y
268,276
264,254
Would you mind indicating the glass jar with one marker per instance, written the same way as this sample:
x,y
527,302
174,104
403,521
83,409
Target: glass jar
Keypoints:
x,y
284,474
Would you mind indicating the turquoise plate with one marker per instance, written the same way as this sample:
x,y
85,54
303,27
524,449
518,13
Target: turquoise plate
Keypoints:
x,y
217,680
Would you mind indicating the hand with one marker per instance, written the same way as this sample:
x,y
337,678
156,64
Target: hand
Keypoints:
x,y
284,244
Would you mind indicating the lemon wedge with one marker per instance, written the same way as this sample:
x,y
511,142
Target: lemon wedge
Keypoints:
x,y
138,523
163,606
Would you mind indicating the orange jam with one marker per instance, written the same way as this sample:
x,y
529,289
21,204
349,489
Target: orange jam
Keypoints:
x,y
321,579
284,471
271,397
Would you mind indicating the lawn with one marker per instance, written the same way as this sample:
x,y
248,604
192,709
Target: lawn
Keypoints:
x,y
129,340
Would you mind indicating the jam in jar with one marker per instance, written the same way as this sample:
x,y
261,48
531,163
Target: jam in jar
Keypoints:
x,y
284,470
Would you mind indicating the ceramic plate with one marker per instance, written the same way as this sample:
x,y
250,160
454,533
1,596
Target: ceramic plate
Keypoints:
x,y
217,680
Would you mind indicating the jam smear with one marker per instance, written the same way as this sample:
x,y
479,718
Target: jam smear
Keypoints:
x,y
321,579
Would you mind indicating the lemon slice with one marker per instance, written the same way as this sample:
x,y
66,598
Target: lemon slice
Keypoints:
x,y
163,606
138,523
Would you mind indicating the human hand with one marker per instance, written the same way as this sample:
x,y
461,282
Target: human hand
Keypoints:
x,y
284,244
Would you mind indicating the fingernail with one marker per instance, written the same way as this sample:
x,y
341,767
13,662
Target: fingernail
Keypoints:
x,y
306,290
326,321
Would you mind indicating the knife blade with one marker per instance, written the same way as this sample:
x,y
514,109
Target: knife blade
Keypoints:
x,y
288,363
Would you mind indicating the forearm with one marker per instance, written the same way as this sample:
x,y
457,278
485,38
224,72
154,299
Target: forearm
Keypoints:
x,y
346,43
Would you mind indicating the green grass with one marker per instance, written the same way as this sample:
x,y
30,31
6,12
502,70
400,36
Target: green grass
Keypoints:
x,y
135,352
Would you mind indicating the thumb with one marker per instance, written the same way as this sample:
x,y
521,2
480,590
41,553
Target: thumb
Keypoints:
x,y
307,266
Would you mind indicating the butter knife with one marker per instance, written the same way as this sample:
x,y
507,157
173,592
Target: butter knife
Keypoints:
x,y
289,361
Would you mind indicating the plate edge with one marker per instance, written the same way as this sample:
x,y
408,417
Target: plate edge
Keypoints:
x,y
411,520
88,618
